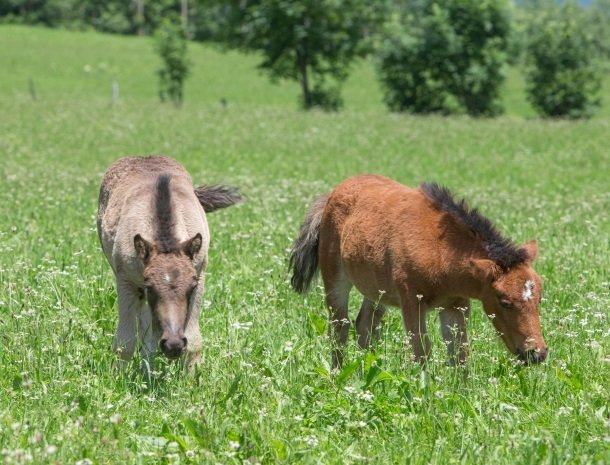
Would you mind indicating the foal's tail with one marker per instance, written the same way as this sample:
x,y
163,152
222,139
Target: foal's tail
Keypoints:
x,y
215,197
304,255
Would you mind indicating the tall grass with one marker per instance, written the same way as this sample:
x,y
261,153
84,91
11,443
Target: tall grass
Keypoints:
x,y
264,393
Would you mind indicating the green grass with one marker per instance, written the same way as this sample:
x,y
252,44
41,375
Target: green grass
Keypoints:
x,y
264,394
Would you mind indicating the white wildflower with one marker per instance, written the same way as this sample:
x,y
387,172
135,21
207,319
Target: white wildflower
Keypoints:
x,y
233,445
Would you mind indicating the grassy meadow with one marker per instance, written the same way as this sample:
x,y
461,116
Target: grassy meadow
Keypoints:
x,y
264,393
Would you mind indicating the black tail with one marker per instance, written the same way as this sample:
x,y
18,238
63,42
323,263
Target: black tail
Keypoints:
x,y
304,255
215,197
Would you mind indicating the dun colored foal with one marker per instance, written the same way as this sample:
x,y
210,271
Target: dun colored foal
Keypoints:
x,y
153,229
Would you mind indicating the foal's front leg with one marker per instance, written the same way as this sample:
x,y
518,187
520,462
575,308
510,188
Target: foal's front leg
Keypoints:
x,y
150,333
454,317
192,332
124,341
414,319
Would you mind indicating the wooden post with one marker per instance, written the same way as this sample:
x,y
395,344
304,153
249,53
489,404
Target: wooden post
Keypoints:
x,y
115,92
32,88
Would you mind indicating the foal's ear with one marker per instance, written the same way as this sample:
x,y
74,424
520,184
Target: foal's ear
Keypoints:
x,y
143,247
531,248
191,246
486,269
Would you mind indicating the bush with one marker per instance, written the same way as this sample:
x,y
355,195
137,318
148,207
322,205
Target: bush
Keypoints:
x,y
170,44
599,18
112,18
563,76
448,58
409,82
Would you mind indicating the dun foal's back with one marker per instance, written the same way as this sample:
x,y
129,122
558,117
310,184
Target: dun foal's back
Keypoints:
x,y
153,230
417,249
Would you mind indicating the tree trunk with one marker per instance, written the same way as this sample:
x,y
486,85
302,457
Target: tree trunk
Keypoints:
x,y
184,13
302,65
140,17
302,62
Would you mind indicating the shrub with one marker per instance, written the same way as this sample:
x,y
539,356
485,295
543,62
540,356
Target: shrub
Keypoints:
x,y
599,18
409,82
447,58
563,77
171,45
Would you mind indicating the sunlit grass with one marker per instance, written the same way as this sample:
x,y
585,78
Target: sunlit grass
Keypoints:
x,y
264,393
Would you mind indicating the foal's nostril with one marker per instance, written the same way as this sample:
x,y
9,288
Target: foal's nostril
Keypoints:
x,y
184,341
539,355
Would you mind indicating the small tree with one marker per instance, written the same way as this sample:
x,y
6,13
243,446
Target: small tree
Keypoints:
x,y
447,57
563,76
171,45
308,41
405,70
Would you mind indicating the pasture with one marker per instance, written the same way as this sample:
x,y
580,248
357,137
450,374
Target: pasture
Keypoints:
x,y
265,393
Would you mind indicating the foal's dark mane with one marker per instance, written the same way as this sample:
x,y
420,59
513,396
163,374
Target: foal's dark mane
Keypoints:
x,y
165,240
499,248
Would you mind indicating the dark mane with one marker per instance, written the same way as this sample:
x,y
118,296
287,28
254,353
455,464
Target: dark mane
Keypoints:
x,y
499,248
165,240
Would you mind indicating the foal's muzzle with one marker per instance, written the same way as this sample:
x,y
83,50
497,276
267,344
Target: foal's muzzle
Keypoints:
x,y
173,346
533,356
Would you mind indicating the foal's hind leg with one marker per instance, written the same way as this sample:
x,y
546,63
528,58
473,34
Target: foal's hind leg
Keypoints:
x,y
367,322
454,317
337,287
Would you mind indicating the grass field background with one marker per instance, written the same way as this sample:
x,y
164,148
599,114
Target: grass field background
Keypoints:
x,y
264,393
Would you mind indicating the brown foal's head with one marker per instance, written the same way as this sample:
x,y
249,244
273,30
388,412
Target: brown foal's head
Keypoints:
x,y
511,299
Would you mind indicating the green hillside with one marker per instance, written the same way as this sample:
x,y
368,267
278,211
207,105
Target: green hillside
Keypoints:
x,y
84,64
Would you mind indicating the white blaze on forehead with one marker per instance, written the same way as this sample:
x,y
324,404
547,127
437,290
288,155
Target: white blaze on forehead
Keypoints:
x,y
527,290
166,278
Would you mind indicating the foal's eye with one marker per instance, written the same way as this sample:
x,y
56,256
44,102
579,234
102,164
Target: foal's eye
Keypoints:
x,y
505,304
192,286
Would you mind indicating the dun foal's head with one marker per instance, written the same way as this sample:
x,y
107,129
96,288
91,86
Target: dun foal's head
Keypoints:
x,y
169,280
511,298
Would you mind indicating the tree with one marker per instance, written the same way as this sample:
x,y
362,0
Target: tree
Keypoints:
x,y
171,45
562,71
307,41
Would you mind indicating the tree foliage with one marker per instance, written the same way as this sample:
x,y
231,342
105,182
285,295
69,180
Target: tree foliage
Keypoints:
x,y
446,57
563,75
308,41
116,16
600,26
